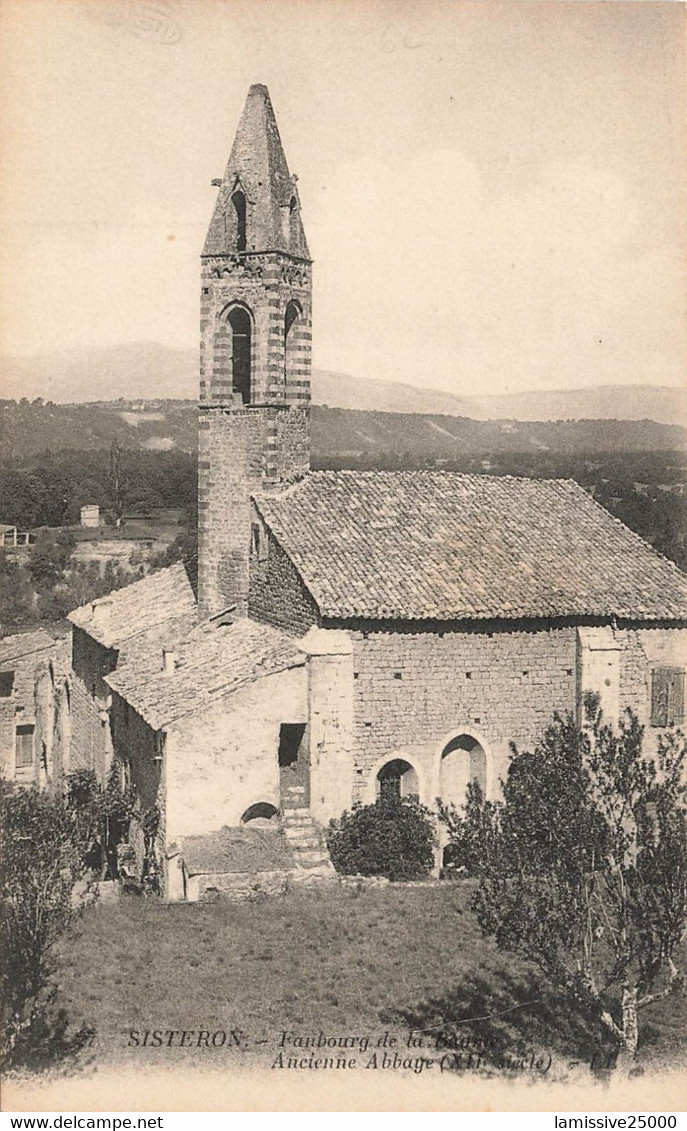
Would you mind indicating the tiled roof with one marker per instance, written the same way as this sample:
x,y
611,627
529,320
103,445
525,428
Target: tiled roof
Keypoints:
x,y
23,644
422,545
136,608
211,661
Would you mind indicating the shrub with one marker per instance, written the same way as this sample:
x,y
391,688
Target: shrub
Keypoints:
x,y
393,838
41,854
467,831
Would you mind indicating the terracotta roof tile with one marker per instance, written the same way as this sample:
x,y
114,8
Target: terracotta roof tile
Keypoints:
x,y
23,644
137,608
422,545
212,661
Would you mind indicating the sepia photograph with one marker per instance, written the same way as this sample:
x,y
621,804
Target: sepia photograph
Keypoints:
x,y
343,556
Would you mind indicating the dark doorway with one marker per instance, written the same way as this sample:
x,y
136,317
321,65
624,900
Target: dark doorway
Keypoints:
x,y
294,765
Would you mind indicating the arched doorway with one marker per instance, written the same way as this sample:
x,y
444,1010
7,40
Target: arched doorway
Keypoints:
x,y
396,779
463,760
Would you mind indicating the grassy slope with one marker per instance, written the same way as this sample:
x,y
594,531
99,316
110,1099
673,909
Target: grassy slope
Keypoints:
x,y
336,961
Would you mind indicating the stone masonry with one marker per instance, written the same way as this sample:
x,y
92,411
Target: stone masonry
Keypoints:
x,y
256,286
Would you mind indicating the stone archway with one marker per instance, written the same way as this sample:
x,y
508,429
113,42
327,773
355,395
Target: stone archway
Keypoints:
x,y
262,815
396,778
463,760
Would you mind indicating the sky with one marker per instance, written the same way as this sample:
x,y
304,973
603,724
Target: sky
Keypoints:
x,y
494,194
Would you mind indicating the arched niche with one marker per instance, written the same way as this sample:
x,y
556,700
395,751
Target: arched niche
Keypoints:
x,y
292,316
238,200
260,815
463,760
397,778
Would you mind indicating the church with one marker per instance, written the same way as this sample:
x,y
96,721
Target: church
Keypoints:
x,y
353,632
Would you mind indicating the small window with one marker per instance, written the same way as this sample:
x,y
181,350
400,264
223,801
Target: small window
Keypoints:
x,y
667,697
239,201
290,740
6,684
24,746
259,543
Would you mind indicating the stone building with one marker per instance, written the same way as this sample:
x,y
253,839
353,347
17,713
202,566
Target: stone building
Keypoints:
x,y
35,718
358,632
106,631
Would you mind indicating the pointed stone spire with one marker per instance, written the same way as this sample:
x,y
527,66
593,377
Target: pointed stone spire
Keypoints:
x,y
257,207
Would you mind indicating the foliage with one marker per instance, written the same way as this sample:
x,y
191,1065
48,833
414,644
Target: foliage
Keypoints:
x,y
52,583
583,866
393,838
41,856
467,830
102,815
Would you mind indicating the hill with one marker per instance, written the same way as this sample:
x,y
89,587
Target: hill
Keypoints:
x,y
29,429
158,372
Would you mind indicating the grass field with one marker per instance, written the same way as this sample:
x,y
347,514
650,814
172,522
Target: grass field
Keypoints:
x,y
335,962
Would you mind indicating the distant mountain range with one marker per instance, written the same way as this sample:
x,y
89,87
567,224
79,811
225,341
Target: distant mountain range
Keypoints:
x,y
148,370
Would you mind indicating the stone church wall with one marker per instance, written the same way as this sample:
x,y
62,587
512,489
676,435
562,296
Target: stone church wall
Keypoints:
x,y
644,650
277,595
413,691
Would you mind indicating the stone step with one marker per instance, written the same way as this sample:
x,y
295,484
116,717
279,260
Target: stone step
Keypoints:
x,y
301,836
311,856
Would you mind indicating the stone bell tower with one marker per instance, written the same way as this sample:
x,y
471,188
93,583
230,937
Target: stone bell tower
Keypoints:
x,y
255,351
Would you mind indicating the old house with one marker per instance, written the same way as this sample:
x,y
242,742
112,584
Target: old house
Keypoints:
x,y
358,632
103,632
35,694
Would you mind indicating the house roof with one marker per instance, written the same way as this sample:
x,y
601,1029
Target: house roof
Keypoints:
x,y
417,545
137,608
23,644
212,661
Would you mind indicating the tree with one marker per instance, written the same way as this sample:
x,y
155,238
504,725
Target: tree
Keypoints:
x,y
41,858
583,866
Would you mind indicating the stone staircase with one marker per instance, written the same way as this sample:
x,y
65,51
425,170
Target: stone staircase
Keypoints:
x,y
306,840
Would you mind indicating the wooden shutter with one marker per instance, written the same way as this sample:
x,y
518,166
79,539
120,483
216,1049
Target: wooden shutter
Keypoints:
x,y
667,697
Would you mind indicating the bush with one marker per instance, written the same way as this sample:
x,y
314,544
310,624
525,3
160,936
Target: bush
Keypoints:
x,y
467,831
41,855
393,838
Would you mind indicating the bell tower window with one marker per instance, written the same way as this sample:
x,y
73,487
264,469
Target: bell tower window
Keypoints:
x,y
291,316
239,321
238,200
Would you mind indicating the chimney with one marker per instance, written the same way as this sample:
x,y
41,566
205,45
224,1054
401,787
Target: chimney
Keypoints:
x,y
101,612
169,661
